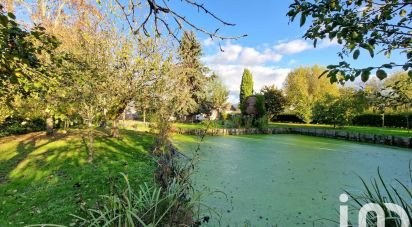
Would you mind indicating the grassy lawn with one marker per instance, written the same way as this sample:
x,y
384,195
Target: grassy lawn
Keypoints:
x,y
360,129
44,179
190,125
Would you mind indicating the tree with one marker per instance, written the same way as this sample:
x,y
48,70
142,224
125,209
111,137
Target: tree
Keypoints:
x,y
399,86
380,27
340,109
23,69
29,64
303,88
397,94
171,95
332,110
246,89
275,101
190,51
217,94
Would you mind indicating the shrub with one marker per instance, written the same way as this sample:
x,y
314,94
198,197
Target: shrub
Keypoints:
x,y
398,120
262,122
390,120
260,105
18,125
368,120
224,116
248,121
236,119
290,118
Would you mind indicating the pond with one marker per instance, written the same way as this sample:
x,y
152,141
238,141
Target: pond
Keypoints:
x,y
286,180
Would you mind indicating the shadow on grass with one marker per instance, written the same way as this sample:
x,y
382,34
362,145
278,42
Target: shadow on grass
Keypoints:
x,y
49,177
24,147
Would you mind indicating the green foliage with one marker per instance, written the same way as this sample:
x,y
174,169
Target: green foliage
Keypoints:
x,y
224,116
260,105
292,118
399,90
189,53
339,110
23,68
401,120
246,89
236,119
368,120
380,191
146,206
333,110
303,88
216,96
18,125
357,25
248,121
275,101
262,122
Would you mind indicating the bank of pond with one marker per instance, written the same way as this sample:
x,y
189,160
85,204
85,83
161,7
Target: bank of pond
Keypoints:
x,y
285,179
392,140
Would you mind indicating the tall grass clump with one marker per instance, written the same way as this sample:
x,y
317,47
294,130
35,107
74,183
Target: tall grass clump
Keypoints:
x,y
379,191
145,206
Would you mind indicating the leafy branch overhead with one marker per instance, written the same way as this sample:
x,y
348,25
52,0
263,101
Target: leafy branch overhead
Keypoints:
x,y
378,27
162,16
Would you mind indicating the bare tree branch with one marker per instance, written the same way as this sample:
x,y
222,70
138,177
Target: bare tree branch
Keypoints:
x,y
158,15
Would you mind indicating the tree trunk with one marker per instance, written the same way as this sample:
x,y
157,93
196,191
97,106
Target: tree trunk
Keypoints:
x,y
49,125
383,120
115,129
144,116
90,145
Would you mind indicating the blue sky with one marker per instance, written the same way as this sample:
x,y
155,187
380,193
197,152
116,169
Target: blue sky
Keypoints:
x,y
272,48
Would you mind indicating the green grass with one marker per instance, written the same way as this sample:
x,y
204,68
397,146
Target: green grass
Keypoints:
x,y
44,179
190,125
359,129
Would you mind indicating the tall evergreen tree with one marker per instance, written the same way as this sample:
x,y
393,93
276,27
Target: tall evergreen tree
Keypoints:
x,y
190,51
246,88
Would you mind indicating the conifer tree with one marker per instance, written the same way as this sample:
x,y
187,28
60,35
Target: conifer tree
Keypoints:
x,y
246,89
190,51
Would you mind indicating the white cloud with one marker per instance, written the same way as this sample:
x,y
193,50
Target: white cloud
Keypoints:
x,y
292,47
250,56
231,76
300,45
208,42
327,43
236,54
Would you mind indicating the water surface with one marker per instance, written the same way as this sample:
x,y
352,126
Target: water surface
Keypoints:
x,y
286,180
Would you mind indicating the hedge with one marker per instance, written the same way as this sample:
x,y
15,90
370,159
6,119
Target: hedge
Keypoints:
x,y
17,125
391,120
290,118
